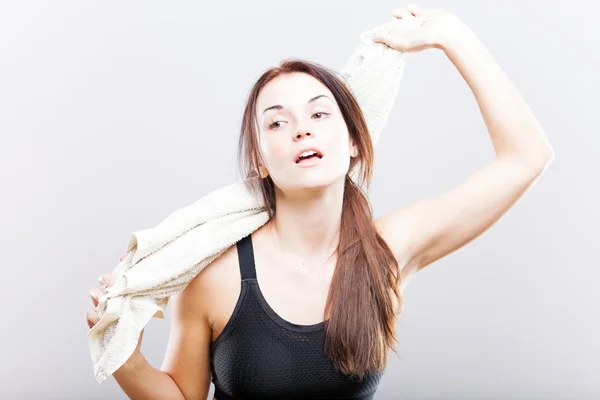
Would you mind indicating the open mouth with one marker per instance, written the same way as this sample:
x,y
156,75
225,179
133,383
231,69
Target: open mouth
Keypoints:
x,y
307,155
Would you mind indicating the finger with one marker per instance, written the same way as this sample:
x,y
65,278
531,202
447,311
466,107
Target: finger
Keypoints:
x,y
91,317
122,257
415,10
380,38
106,280
95,295
401,13
395,42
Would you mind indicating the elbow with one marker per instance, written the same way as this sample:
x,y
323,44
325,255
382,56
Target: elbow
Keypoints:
x,y
540,153
539,162
533,152
533,163
538,157
545,157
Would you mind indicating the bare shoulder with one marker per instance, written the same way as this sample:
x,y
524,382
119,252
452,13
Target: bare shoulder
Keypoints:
x,y
198,295
217,285
213,273
187,357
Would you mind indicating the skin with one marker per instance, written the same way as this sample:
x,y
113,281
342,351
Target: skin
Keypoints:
x,y
309,200
294,252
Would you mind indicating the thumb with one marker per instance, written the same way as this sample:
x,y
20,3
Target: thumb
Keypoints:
x,y
393,41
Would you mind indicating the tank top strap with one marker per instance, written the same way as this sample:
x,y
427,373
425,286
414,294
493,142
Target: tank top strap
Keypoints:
x,y
246,258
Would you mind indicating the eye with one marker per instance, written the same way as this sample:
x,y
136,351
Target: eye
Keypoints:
x,y
274,125
321,113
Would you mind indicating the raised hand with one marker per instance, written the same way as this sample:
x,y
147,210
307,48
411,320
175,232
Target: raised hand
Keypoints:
x,y
437,28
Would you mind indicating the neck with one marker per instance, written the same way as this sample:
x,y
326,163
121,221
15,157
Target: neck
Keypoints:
x,y
306,227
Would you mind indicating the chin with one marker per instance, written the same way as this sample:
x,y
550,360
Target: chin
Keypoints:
x,y
315,181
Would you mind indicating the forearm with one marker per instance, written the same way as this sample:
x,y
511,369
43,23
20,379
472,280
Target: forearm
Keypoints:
x,y
139,380
513,129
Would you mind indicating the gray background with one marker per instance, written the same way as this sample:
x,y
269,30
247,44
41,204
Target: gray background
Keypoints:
x,y
114,115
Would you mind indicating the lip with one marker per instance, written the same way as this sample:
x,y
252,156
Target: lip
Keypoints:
x,y
297,155
311,162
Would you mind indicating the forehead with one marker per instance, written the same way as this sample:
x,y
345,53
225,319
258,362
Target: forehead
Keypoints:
x,y
291,90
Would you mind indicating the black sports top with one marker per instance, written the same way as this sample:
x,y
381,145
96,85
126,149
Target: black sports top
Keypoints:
x,y
259,355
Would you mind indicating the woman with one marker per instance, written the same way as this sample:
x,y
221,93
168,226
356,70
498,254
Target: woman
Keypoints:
x,y
305,306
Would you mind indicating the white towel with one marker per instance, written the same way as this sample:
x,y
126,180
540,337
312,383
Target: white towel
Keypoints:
x,y
161,261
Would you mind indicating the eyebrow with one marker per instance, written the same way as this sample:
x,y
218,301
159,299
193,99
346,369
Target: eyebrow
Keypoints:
x,y
280,107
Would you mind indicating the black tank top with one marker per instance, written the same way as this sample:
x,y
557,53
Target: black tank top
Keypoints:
x,y
259,355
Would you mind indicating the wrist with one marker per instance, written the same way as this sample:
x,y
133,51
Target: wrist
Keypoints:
x,y
454,35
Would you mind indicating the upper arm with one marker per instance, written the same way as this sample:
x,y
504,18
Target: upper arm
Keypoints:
x,y
427,230
187,358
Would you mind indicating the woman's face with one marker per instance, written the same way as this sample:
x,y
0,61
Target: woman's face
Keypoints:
x,y
296,112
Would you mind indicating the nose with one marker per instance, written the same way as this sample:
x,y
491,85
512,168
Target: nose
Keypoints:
x,y
301,134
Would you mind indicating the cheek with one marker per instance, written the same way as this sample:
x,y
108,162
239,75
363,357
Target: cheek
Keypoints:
x,y
339,140
274,151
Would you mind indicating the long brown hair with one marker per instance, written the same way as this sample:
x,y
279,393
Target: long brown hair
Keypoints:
x,y
360,304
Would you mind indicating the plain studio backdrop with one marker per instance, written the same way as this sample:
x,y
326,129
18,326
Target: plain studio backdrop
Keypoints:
x,y
115,114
